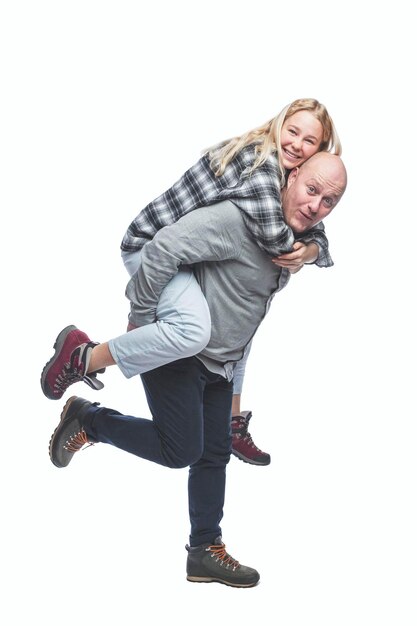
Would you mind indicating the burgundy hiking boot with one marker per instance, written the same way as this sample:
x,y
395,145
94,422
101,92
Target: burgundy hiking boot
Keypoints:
x,y
69,364
242,442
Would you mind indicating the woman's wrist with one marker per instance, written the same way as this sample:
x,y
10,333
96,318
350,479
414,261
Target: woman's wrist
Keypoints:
x,y
312,252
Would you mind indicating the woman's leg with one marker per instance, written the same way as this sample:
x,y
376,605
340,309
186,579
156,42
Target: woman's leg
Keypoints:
x,y
238,376
243,445
182,330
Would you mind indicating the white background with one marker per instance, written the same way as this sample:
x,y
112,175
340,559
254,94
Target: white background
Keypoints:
x,y
104,105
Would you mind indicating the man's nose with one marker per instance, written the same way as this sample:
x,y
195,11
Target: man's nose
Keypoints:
x,y
314,204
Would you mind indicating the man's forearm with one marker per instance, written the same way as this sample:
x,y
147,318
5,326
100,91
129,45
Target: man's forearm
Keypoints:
x,y
143,290
203,235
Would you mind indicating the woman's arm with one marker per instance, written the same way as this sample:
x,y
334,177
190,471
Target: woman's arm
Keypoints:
x,y
302,253
318,236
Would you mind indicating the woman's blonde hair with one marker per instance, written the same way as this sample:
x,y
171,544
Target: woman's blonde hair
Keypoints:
x,y
268,138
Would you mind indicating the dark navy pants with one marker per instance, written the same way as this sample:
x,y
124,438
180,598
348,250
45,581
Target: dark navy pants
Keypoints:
x,y
190,427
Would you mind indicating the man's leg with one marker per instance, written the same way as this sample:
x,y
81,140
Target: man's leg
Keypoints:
x,y
173,438
177,436
208,560
207,476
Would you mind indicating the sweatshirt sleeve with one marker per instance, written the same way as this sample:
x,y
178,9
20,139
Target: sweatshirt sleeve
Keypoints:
x,y
210,234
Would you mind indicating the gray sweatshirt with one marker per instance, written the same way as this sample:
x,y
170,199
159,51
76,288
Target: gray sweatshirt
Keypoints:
x,y
238,279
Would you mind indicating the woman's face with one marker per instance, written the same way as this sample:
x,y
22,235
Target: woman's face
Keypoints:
x,y
301,136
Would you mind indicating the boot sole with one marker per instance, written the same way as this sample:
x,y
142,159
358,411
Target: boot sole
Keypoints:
x,y
63,414
209,579
59,342
249,461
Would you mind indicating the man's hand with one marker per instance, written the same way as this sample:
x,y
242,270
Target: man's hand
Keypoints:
x,y
302,253
130,327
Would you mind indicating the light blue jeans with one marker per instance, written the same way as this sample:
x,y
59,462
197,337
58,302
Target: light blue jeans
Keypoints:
x,y
182,328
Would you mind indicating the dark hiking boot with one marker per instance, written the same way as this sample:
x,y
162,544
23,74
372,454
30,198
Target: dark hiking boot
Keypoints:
x,y
69,364
242,443
69,436
210,563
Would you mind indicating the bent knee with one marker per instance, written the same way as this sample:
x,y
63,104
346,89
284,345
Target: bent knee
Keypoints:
x,y
183,458
196,337
187,336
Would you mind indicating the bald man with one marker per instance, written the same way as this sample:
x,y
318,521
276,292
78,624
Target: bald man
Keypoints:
x,y
190,399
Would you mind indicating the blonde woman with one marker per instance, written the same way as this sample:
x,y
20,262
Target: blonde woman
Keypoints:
x,y
250,171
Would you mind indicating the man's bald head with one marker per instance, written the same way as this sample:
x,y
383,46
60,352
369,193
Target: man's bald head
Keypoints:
x,y
330,165
313,190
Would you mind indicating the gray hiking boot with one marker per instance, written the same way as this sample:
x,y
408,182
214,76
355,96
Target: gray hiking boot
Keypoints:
x,y
211,563
69,436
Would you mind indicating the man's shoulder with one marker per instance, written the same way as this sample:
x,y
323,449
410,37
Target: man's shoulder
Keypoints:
x,y
221,213
225,214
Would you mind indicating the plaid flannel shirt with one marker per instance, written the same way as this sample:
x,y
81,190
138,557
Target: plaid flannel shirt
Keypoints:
x,y
256,194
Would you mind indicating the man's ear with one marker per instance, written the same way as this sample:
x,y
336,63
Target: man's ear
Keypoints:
x,y
292,176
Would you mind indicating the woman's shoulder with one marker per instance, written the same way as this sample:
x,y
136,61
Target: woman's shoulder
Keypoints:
x,y
249,153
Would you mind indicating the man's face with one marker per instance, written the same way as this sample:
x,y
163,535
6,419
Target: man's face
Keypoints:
x,y
313,191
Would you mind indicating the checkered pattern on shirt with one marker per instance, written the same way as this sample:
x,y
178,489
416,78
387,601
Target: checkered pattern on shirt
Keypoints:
x,y
256,194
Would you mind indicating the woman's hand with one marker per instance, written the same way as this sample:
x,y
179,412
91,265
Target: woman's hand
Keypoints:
x,y
302,253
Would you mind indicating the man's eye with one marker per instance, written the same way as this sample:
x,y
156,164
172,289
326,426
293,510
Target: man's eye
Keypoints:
x,y
311,189
328,202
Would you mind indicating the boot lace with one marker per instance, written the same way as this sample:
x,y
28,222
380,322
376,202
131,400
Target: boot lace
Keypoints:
x,y
220,554
69,374
77,441
242,433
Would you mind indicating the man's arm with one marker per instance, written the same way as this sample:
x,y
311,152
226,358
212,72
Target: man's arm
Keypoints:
x,y
209,234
